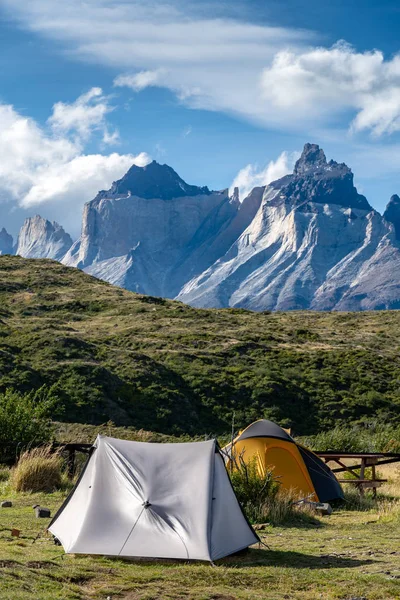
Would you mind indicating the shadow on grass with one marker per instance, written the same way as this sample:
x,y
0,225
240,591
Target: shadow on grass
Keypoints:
x,y
293,560
301,522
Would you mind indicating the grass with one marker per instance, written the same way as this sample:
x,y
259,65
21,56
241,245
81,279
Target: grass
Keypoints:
x,y
37,470
351,554
376,437
155,364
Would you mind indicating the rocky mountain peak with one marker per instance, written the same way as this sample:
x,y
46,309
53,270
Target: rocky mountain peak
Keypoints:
x,y
392,213
39,238
6,242
312,157
318,181
155,181
235,199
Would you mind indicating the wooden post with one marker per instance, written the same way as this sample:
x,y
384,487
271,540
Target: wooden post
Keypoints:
x,y
71,462
373,479
362,471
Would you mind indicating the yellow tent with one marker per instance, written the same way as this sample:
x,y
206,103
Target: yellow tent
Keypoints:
x,y
296,467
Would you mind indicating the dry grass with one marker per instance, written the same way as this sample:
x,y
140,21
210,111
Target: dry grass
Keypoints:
x,y
286,508
38,470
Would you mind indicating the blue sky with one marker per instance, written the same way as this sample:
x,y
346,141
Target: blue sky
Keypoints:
x,y
221,91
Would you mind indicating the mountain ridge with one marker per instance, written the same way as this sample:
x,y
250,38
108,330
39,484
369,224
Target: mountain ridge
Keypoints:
x,y
308,240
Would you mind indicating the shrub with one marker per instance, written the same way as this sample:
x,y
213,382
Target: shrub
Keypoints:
x,y
4,473
374,436
262,498
24,421
253,490
37,470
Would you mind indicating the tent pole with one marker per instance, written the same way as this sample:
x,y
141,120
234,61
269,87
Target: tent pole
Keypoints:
x,y
232,438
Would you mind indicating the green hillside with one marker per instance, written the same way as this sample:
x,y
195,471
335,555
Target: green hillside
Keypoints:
x,y
160,365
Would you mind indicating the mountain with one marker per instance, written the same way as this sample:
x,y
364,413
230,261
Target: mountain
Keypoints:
x,y
392,214
315,243
160,365
38,238
151,231
154,181
6,242
306,241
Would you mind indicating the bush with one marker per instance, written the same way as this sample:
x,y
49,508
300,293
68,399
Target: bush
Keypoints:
x,y
368,437
252,490
263,500
24,421
38,470
4,473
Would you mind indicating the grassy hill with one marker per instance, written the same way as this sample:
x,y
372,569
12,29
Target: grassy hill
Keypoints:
x,y
160,365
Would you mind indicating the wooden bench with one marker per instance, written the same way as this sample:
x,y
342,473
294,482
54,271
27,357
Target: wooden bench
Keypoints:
x,y
363,484
366,459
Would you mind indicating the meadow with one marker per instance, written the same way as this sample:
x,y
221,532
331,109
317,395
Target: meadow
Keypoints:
x,y
353,554
137,367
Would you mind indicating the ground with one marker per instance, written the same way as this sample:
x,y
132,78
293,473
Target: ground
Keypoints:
x,y
350,555
156,364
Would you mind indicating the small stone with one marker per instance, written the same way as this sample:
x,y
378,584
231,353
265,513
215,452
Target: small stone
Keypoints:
x,y
260,526
42,513
323,508
6,504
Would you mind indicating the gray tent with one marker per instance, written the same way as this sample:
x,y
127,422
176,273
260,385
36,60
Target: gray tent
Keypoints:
x,y
138,499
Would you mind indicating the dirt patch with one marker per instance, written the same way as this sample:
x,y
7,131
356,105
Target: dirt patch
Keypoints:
x,y
8,564
40,564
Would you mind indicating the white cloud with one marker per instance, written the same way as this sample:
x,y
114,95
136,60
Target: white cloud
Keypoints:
x,y
83,175
111,138
321,83
270,75
141,80
210,63
251,176
82,117
41,167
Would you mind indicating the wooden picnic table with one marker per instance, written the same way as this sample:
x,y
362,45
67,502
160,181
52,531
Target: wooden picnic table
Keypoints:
x,y
365,460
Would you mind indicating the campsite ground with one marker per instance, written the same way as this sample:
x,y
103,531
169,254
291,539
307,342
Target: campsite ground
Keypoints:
x,y
351,555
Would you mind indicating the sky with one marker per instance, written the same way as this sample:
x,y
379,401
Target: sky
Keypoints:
x,y
226,93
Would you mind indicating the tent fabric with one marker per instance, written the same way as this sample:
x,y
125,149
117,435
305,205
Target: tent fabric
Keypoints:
x,y
325,483
138,499
265,428
296,467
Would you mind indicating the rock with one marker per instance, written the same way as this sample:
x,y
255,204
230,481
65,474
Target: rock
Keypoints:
x,y
306,241
154,181
260,526
312,157
42,513
6,504
152,240
38,238
315,243
392,214
6,242
322,508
